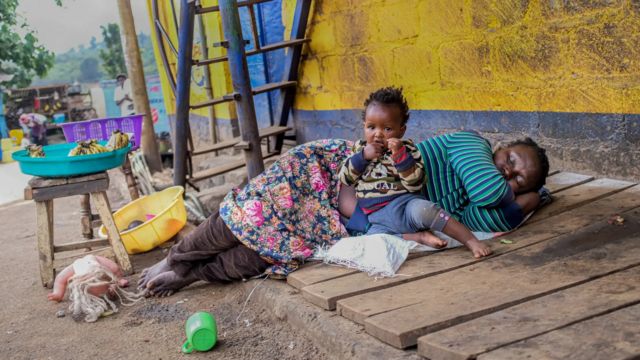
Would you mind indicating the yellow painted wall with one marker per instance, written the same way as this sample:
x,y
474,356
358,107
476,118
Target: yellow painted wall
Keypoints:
x,y
519,55
220,80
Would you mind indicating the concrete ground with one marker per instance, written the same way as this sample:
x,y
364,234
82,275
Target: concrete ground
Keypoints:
x,y
276,322
12,182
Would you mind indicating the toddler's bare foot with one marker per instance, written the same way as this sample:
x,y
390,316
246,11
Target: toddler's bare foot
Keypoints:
x,y
426,238
151,272
167,283
478,248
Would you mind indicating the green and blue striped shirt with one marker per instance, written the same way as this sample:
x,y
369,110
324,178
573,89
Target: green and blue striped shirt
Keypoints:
x,y
464,181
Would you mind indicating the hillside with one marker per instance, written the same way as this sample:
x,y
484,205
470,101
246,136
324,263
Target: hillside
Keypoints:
x,y
83,64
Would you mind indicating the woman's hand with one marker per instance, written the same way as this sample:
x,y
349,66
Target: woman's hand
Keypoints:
x,y
528,201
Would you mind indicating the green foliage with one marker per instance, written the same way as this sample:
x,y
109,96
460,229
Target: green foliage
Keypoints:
x,y
146,54
20,55
68,66
112,55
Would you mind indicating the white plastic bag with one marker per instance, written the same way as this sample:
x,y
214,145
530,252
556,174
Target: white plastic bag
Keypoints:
x,y
377,255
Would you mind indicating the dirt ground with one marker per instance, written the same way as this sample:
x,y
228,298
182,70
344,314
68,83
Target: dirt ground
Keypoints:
x,y
150,329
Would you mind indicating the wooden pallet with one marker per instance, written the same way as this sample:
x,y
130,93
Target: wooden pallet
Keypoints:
x,y
567,286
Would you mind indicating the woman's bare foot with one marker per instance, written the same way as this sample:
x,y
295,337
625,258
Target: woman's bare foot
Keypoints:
x,y
151,272
167,283
478,248
426,238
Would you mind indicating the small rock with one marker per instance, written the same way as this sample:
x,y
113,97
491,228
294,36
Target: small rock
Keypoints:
x,y
60,313
10,332
291,345
180,302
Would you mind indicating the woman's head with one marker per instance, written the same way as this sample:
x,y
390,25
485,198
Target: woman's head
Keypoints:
x,y
524,164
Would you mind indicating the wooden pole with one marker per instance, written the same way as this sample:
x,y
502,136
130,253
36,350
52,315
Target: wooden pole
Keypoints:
x,y
242,87
213,125
138,85
183,92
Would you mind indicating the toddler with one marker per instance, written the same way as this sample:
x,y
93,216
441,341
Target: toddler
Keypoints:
x,y
388,175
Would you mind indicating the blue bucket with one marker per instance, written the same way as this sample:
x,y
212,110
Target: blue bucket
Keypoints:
x,y
59,118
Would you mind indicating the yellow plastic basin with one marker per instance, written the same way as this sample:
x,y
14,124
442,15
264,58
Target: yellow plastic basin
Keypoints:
x,y
167,206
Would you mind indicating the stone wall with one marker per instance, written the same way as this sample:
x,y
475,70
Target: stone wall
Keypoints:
x,y
564,72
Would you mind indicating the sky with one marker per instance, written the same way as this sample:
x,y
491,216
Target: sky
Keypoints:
x,y
62,28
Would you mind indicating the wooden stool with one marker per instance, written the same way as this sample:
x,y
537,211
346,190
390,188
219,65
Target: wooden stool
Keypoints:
x,y
43,191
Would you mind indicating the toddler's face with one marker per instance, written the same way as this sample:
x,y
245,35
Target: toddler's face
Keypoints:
x,y
383,122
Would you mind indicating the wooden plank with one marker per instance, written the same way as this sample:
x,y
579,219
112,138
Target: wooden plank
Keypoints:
x,y
54,192
611,336
104,210
272,86
81,245
565,180
319,272
316,273
401,314
221,169
44,221
533,318
578,196
38,182
326,294
563,202
264,132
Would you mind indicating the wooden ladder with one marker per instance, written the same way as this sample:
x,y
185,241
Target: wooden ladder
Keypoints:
x,y
250,135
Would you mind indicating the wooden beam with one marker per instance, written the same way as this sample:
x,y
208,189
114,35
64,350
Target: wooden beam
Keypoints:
x,y
611,336
578,196
399,315
533,318
41,194
85,244
138,85
326,294
565,180
316,274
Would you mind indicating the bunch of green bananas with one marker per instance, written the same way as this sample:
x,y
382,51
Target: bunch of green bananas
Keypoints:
x,y
35,151
87,148
118,140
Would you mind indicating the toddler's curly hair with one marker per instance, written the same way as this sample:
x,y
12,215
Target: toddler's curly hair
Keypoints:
x,y
389,96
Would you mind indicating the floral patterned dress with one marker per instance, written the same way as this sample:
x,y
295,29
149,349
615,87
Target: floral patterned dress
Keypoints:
x,y
291,208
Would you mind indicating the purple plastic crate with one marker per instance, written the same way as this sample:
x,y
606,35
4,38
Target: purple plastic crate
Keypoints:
x,y
101,129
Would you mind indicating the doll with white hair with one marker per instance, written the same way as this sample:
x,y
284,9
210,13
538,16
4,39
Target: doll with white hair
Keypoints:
x,y
95,283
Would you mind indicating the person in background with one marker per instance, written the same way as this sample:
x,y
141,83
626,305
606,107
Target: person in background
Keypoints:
x,y
122,95
34,125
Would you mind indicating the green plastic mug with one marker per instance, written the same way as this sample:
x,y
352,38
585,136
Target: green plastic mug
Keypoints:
x,y
202,332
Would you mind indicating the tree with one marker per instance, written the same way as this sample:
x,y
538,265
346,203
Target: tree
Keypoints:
x,y
112,56
93,44
20,55
89,70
